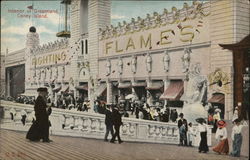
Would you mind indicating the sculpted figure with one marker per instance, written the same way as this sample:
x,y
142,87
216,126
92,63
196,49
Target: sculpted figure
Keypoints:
x,y
63,71
166,60
149,63
148,21
134,64
119,29
108,67
186,59
120,66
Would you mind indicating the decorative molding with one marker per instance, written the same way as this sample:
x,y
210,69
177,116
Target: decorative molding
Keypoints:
x,y
197,10
50,46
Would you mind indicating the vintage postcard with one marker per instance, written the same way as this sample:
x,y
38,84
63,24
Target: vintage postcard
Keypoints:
x,y
125,80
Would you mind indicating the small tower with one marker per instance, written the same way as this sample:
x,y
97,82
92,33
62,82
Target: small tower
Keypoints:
x,y
32,39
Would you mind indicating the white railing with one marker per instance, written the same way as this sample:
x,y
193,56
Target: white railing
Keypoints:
x,y
91,125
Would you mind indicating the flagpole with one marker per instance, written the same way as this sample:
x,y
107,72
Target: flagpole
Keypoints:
x,y
32,13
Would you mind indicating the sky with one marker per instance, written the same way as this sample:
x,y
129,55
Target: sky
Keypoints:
x,y
14,26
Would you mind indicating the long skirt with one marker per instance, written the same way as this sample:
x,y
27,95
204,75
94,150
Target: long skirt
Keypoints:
x,y
237,145
203,143
34,133
222,147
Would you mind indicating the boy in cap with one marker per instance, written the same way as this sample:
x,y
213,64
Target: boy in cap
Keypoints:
x,y
183,127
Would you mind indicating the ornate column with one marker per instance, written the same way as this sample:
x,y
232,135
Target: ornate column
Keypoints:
x,y
166,84
109,92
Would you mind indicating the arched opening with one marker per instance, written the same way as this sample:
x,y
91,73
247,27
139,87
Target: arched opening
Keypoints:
x,y
218,102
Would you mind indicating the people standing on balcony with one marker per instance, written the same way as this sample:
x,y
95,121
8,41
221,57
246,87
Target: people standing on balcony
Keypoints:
x,y
183,127
221,136
108,123
236,138
40,128
117,122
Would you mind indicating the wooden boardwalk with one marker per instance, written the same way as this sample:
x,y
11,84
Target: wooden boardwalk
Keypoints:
x,y
14,146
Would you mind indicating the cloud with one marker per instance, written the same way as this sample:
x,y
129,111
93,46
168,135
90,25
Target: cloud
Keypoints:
x,y
8,39
43,29
23,29
53,18
12,43
3,21
114,16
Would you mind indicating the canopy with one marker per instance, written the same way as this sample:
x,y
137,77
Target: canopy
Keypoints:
x,y
174,91
65,88
130,96
28,94
82,87
155,86
57,89
139,84
101,89
217,98
124,85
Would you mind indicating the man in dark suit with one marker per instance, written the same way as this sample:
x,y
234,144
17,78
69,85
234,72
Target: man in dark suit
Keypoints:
x,y
183,127
40,128
108,123
117,122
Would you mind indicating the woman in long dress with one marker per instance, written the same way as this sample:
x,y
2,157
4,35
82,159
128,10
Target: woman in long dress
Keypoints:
x,y
221,136
40,127
236,138
202,129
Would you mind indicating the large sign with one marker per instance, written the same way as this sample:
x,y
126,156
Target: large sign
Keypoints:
x,y
172,35
57,57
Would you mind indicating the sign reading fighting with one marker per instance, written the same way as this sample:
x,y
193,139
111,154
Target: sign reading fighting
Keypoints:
x,y
49,59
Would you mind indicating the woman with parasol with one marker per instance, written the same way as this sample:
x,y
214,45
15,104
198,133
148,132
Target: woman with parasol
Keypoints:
x,y
221,135
202,128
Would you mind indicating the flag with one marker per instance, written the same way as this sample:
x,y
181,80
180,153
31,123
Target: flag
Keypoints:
x,y
30,7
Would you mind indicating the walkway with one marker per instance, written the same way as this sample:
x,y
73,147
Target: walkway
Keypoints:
x,y
14,146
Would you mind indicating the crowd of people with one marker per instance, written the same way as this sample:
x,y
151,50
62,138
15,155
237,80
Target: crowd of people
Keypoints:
x,y
187,135
114,112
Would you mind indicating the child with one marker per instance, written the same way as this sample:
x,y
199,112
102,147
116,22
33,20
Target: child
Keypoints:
x,y
236,138
221,135
190,134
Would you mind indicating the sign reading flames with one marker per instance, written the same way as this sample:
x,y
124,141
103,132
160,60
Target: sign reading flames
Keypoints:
x,y
177,34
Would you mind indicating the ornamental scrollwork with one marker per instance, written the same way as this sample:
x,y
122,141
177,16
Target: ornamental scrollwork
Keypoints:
x,y
197,10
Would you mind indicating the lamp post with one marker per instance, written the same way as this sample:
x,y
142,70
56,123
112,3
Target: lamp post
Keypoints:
x,y
246,92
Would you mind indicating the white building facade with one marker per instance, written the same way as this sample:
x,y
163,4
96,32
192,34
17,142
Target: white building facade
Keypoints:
x,y
173,56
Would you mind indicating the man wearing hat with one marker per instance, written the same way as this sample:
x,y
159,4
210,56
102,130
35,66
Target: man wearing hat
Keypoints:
x,y
40,128
108,122
117,122
183,127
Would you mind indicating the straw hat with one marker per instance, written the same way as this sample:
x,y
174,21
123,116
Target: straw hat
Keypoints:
x,y
221,123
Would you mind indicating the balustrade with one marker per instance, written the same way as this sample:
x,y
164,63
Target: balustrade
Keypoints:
x,y
91,125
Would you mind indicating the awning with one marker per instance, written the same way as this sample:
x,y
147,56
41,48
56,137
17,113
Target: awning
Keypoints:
x,y
101,89
124,85
65,88
174,91
28,94
57,89
217,98
82,87
155,86
139,84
